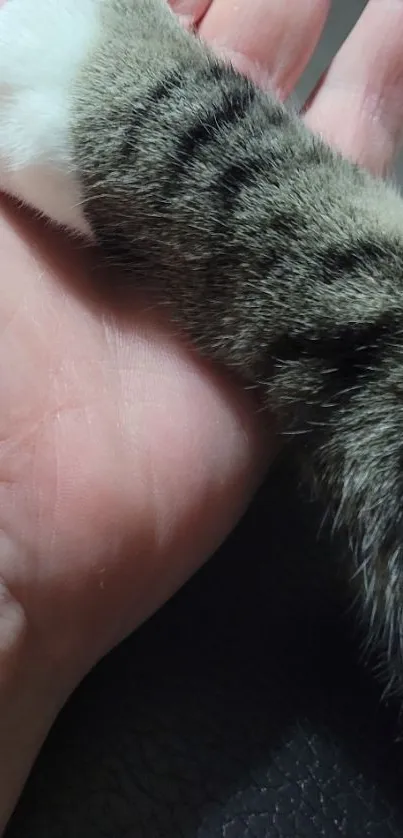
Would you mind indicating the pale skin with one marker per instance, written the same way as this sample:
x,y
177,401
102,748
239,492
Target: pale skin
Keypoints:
x,y
124,461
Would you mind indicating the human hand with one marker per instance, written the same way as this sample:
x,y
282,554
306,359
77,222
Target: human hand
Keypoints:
x,y
123,460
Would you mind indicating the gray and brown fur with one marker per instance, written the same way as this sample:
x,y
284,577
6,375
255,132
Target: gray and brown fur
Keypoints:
x,y
278,258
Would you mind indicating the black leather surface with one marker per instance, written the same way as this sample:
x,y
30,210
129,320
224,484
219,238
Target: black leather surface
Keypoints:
x,y
239,711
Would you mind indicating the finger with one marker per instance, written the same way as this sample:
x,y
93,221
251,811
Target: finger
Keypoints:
x,y
269,40
359,104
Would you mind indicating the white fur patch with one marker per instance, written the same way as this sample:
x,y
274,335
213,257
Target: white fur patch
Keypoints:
x,y
43,44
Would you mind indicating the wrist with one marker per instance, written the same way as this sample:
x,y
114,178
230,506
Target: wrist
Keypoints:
x,y
31,695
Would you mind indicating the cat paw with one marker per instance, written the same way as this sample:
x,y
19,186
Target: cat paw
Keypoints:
x,y
43,44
